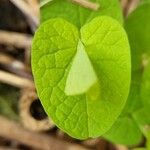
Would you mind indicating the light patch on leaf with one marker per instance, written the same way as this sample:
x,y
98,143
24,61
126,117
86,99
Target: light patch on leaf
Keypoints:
x,y
81,75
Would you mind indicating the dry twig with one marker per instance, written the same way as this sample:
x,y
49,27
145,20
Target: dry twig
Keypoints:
x,y
18,40
34,5
124,4
128,6
87,4
27,11
29,96
14,66
14,131
7,148
121,147
14,80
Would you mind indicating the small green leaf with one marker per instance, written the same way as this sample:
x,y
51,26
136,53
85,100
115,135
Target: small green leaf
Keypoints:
x,y
9,102
138,28
54,48
124,131
145,89
139,148
81,75
79,15
6,109
141,116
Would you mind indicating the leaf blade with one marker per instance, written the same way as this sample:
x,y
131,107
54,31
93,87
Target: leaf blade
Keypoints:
x,y
76,114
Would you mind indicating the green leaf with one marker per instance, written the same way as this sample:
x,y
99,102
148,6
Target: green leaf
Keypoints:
x,y
141,116
139,148
140,52
6,109
53,52
9,102
140,49
138,28
134,102
148,138
145,1
124,131
78,15
81,75
145,89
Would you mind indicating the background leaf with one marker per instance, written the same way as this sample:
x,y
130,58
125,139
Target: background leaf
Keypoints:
x,y
124,131
145,89
79,15
137,26
9,101
139,38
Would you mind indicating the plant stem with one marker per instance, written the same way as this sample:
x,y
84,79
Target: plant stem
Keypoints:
x,y
15,80
14,131
18,40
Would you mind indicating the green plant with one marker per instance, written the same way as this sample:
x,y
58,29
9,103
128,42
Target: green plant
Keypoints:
x,y
81,67
8,102
137,107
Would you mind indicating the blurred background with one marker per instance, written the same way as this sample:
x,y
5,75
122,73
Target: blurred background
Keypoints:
x,y
23,122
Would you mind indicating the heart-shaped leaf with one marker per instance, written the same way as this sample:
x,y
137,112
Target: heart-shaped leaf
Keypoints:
x,y
78,15
104,48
